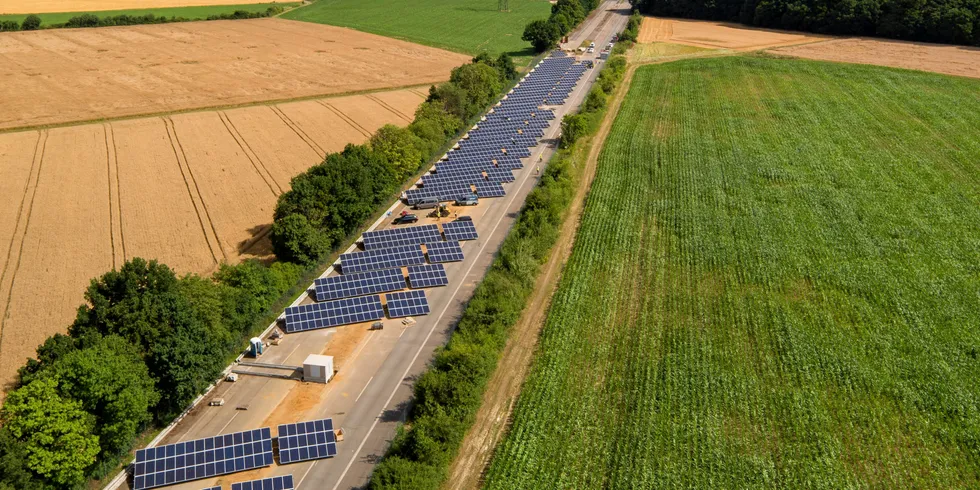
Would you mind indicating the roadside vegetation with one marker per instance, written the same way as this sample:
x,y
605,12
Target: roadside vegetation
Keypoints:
x,y
773,286
544,34
467,26
448,395
148,342
944,21
29,22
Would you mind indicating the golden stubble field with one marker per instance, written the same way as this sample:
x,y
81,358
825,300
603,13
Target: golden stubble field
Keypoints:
x,y
46,6
191,190
73,75
938,58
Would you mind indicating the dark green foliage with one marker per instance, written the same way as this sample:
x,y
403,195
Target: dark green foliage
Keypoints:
x,y
573,127
331,200
14,474
31,23
542,34
632,29
9,25
944,21
54,348
595,101
84,20
112,383
448,395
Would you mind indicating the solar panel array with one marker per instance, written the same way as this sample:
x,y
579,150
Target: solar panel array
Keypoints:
x,y
504,136
202,458
303,441
213,488
284,482
333,313
408,303
348,285
444,252
460,230
385,258
427,276
396,237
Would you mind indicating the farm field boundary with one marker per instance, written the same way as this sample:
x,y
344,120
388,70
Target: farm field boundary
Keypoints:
x,y
759,253
128,71
57,19
10,7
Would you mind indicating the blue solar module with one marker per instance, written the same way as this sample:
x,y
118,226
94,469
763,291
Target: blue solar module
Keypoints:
x,y
333,313
386,258
303,441
459,230
427,276
213,488
489,189
348,285
284,482
202,458
443,192
444,252
408,303
396,237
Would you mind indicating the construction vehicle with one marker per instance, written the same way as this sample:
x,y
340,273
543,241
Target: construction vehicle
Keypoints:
x,y
440,212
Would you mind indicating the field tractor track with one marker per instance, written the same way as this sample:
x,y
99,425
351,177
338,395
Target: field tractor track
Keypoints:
x,y
257,164
115,199
25,209
195,193
298,130
346,118
390,108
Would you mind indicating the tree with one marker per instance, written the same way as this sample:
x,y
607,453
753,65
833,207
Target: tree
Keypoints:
x,y
56,432
595,101
14,474
112,383
48,353
9,25
399,148
542,34
479,81
30,23
573,126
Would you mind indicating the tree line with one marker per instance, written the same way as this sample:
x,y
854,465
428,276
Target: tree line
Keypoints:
x,y
33,22
147,342
941,21
328,202
565,15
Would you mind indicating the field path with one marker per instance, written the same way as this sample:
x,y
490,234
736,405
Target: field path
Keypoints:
x,y
494,416
117,241
346,118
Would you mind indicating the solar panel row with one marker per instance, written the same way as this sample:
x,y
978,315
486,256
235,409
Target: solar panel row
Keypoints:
x,y
284,482
427,276
396,237
359,284
440,252
386,258
202,458
459,230
303,441
408,303
333,313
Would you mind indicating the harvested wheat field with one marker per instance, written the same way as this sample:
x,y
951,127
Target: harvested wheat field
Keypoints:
x,y
191,190
718,35
139,70
47,6
950,60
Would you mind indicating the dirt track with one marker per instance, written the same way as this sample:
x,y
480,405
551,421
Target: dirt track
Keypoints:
x,y
190,189
47,6
137,70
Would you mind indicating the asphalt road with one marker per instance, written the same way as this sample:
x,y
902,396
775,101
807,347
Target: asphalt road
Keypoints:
x,y
369,396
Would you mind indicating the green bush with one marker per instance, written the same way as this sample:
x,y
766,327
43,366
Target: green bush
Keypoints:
x,y
84,20
31,23
9,25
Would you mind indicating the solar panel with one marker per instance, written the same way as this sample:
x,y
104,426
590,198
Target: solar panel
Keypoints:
x,y
427,276
202,458
333,313
408,303
303,441
444,252
396,237
348,285
386,258
284,482
459,230
218,487
489,189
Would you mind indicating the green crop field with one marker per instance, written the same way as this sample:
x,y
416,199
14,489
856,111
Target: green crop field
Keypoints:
x,y
468,26
776,284
192,13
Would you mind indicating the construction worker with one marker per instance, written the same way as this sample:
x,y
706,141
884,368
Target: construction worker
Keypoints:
x,y
537,170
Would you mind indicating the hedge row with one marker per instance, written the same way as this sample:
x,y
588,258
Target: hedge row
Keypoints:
x,y
331,200
448,395
565,15
942,21
33,22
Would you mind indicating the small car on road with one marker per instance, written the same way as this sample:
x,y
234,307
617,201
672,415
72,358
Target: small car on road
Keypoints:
x,y
405,218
